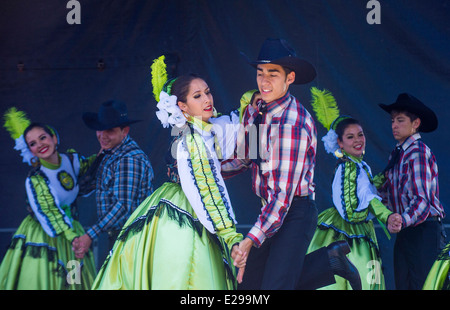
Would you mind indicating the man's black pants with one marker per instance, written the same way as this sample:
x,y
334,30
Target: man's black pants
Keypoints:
x,y
281,262
415,250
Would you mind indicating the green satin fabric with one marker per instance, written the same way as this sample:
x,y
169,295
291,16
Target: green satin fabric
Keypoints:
x,y
47,204
210,192
439,272
349,190
364,248
36,261
379,210
46,201
245,101
85,162
163,247
381,213
349,193
206,183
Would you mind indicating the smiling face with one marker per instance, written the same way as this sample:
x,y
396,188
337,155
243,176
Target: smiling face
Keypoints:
x,y
353,141
273,83
42,144
110,138
199,100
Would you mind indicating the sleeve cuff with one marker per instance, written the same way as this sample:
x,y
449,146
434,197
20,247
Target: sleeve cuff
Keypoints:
x,y
405,223
70,234
379,180
380,210
92,233
257,236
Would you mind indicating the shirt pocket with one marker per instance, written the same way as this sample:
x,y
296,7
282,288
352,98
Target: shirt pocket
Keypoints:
x,y
107,181
404,177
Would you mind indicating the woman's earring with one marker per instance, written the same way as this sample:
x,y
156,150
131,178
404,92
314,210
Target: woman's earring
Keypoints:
x,y
188,117
338,153
34,162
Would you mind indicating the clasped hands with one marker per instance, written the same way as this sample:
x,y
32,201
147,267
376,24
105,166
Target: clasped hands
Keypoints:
x,y
81,245
239,254
394,223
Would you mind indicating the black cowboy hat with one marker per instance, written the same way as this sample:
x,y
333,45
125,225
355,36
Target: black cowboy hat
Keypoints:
x,y
279,52
111,114
409,103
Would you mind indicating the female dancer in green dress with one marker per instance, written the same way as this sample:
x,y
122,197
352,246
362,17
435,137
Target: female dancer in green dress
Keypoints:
x,y
40,255
439,276
181,236
356,203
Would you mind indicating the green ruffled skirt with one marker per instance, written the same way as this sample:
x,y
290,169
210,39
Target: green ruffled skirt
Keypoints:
x,y
163,246
438,277
364,253
36,261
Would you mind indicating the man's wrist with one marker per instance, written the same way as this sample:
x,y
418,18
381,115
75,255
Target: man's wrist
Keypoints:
x,y
257,236
91,233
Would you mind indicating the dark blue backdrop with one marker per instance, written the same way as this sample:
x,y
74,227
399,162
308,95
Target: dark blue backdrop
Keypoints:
x,y
362,64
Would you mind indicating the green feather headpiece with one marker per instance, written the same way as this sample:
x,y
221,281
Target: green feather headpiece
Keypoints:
x,y
159,76
15,122
325,106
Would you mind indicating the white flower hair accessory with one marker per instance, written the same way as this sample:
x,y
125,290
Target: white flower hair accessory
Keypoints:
x,y
330,141
25,152
168,111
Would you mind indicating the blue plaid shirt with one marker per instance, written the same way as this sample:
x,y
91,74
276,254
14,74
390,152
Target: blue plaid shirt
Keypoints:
x,y
123,181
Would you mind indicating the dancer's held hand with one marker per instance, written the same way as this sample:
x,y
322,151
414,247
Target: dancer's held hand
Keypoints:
x,y
394,223
81,245
239,260
240,275
77,248
239,255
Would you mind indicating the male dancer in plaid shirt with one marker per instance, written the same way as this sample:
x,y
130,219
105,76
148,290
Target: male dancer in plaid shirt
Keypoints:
x,y
411,188
124,175
283,177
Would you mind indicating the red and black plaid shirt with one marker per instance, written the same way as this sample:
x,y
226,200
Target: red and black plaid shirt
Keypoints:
x,y
412,186
289,138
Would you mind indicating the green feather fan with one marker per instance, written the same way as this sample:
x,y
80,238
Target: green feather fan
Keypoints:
x,y
325,106
159,76
15,122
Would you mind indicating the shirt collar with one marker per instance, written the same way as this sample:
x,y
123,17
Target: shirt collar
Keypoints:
x,y
410,140
51,166
119,146
279,104
354,158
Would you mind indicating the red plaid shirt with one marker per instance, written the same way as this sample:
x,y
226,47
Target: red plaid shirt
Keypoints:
x,y
289,138
412,186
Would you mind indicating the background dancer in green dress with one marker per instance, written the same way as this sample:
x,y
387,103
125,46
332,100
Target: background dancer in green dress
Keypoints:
x,y
439,277
40,255
354,197
181,236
